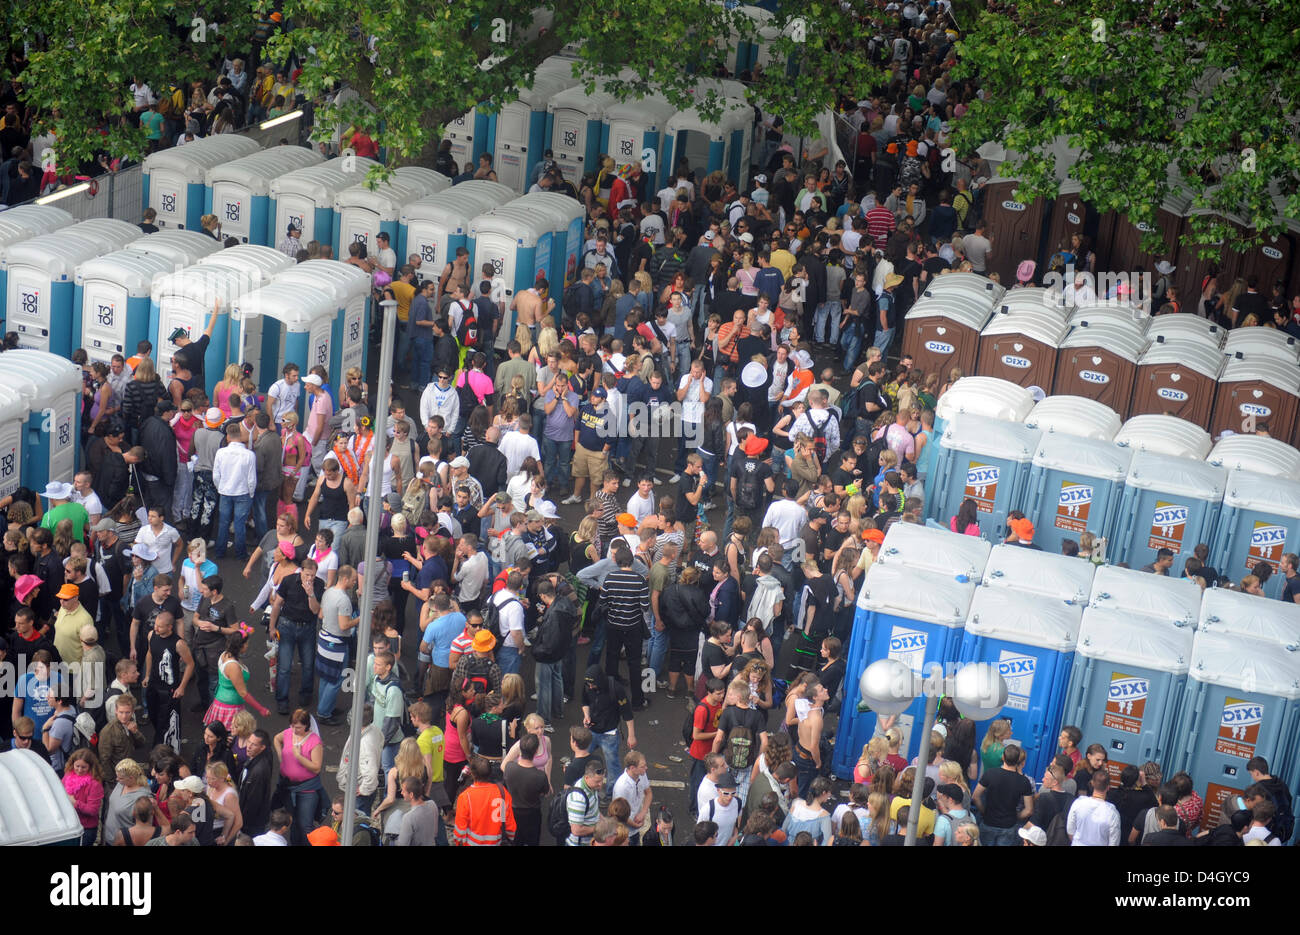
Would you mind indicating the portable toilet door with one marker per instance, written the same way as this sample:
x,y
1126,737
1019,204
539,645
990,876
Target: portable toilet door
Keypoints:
x,y
1266,342
1074,415
1067,216
1034,571
51,388
986,460
1257,393
185,299
361,214
1176,601
1021,345
937,550
179,248
1031,639
1242,700
577,130
636,131
305,197
1258,454
909,614
567,240
1127,683
1166,435
1177,377
1098,360
113,293
522,133
1169,502
942,333
436,225
174,180
1260,522
239,192
1074,487
469,135
350,288
1125,237
989,397
511,240
705,143
13,427
296,326
1015,226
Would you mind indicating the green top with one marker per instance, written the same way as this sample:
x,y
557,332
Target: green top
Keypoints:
x,y
152,121
226,693
73,511
992,755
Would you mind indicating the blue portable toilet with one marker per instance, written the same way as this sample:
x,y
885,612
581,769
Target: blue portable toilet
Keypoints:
x,y
909,614
1127,590
518,245
281,323
13,439
50,386
1260,521
1258,454
1242,699
436,225
636,134
577,130
1166,435
947,553
361,213
305,197
239,192
566,216
711,145
1030,638
1168,503
174,180
1033,571
987,460
1074,486
24,222
1075,415
990,397
113,292
469,135
40,281
521,129
350,289
1127,684
179,248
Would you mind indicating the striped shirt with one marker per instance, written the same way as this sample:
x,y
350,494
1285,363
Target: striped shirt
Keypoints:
x,y
583,806
627,598
607,524
880,224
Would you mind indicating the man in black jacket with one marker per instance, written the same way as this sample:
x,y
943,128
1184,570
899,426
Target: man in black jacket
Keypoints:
x,y
158,473
550,646
488,464
446,352
256,782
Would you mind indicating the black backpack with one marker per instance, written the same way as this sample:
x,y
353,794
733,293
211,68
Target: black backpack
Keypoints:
x,y
1056,833
688,726
479,674
557,821
749,494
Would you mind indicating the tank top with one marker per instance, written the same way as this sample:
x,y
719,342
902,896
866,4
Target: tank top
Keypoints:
x,y
334,501
452,752
226,693
166,661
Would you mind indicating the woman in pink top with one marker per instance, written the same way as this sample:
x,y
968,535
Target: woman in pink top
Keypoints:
x,y
84,784
228,391
301,757
967,519
542,759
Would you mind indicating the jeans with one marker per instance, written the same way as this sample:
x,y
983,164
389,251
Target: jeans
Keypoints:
x,y
658,651
557,458
806,772
422,362
883,340
262,499
336,526
998,837
300,637
205,669
306,799
852,337
637,444
239,505
329,690
508,659
607,746
113,620
826,318
683,358
550,690
698,772
388,759
403,350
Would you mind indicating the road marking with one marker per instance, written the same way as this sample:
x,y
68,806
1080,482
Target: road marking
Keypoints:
x,y
667,784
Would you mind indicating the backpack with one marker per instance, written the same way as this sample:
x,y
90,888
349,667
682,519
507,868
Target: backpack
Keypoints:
x,y
478,674
748,495
557,821
739,748
467,333
492,614
84,734
819,435
688,726
1056,834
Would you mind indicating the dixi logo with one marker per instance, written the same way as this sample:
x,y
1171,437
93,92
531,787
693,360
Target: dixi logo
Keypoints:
x,y
1020,363
1169,516
1268,535
982,476
1093,376
1015,666
938,347
1171,394
907,641
1253,409
1128,689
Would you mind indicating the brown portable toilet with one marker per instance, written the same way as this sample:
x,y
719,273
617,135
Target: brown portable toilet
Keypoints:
x,y
1126,253
1178,376
1257,392
942,330
1021,340
1263,342
1098,358
1069,216
1186,326
1191,268
1270,262
1014,227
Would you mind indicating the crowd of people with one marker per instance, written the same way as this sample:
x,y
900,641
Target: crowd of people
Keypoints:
x,y
719,396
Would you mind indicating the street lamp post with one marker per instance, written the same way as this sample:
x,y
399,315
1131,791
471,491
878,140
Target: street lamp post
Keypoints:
x,y
889,687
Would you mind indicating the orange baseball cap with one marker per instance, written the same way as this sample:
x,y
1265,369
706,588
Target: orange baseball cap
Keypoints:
x,y
1023,529
873,535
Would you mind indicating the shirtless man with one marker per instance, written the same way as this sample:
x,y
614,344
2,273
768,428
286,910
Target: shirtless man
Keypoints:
x,y
455,274
530,305
808,754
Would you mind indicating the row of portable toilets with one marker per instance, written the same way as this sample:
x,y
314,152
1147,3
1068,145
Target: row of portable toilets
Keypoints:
x,y
1178,364
1070,465
1147,666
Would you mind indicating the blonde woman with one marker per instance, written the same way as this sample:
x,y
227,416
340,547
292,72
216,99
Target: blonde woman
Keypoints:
x,y
645,290
242,726
211,226
535,725
950,771
297,459
857,507
229,389
353,377
878,824
746,274
547,340
408,763
221,791
873,757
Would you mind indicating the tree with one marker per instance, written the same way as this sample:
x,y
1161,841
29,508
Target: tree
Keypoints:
x,y
1158,95
416,65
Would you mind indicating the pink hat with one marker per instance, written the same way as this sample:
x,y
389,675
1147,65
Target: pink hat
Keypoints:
x,y
25,585
1025,271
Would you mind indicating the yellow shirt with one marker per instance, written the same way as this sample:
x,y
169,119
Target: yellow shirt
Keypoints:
x,y
431,744
924,821
67,633
404,292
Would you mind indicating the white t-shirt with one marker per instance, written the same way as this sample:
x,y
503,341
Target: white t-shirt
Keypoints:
x,y
1260,834
285,398
653,226
90,501
864,816
472,577
632,791
1093,823
387,258
849,241
788,518
163,542
666,195
692,408
640,506
512,617
725,818
324,565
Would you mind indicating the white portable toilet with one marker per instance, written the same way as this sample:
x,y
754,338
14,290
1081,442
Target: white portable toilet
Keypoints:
x,y
239,192
1167,435
1256,453
436,225
1235,612
1267,342
361,213
305,197
13,442
174,180
40,281
566,216
521,129
1040,572
938,550
989,397
350,288
35,810
635,135
179,248
1127,590
578,131
1186,326
281,323
518,245
113,294
1075,415
24,222
50,386
263,262
711,145
1169,502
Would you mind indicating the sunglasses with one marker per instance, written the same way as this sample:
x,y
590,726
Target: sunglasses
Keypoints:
x,y
26,737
